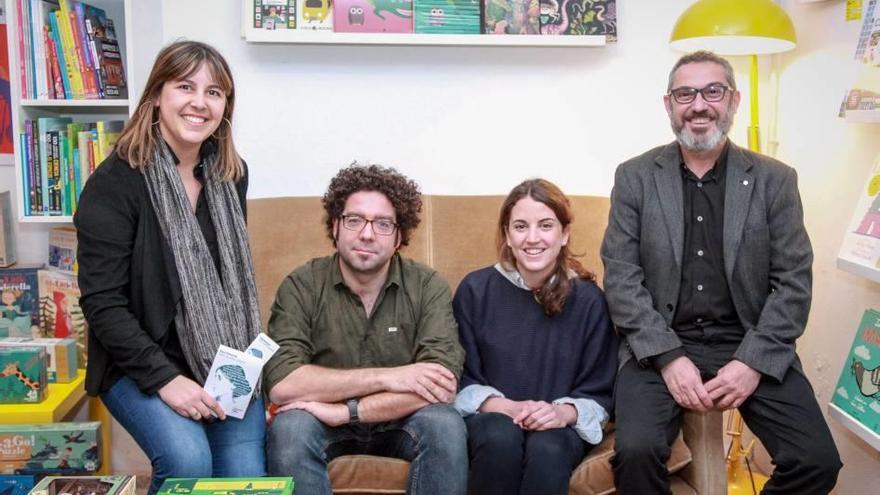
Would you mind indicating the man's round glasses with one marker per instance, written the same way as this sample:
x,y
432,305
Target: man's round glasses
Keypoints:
x,y
356,223
711,93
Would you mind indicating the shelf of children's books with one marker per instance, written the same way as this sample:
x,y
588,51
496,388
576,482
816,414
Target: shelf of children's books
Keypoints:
x,y
863,116
61,399
333,38
862,431
858,269
122,105
46,219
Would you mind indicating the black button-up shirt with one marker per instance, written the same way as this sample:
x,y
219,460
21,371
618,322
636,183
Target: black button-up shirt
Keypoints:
x,y
704,298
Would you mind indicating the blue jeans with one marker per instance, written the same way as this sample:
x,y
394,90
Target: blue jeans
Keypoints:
x,y
179,447
432,439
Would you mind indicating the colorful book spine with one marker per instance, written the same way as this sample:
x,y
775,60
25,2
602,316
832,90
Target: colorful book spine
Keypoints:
x,y
35,183
50,81
62,63
89,47
74,72
39,171
26,178
90,91
85,167
70,141
93,150
56,173
22,70
39,10
102,140
56,89
64,172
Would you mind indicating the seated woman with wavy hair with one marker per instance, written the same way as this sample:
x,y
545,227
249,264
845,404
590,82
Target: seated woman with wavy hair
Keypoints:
x,y
541,352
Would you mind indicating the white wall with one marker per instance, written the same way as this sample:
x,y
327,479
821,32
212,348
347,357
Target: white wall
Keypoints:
x,y
478,120
460,120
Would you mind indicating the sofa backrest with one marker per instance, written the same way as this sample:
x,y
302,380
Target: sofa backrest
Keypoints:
x,y
456,236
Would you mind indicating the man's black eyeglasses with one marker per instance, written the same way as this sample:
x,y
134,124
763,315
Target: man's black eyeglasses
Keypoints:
x,y
356,223
711,93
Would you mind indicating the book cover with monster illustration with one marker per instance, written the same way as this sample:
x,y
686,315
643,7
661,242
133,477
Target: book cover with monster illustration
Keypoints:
x,y
580,17
511,17
373,16
858,389
316,15
447,16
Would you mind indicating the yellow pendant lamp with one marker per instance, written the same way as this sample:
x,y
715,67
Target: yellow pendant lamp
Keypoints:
x,y
736,27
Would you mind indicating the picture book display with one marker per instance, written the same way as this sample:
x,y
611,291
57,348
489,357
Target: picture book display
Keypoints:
x,y
860,249
858,389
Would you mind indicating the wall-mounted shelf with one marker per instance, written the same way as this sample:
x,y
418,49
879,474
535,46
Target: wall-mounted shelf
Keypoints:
x,y
103,104
312,37
858,269
873,439
331,38
46,219
863,116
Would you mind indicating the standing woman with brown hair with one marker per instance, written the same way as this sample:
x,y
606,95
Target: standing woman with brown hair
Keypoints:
x,y
166,273
540,352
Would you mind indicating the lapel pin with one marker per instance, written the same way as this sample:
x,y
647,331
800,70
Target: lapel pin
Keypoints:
x,y
392,329
745,182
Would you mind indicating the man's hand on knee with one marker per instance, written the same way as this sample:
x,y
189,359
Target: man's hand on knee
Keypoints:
x,y
733,384
685,384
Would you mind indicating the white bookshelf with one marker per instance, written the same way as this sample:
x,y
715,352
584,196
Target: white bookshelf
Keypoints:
x,y
79,110
869,436
83,104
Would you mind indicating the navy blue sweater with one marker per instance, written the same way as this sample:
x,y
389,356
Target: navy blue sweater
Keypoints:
x,y
511,345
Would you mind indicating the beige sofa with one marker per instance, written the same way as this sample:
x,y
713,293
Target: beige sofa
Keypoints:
x,y
456,236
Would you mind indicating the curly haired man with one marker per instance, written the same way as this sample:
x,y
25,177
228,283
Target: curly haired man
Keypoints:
x,y
369,357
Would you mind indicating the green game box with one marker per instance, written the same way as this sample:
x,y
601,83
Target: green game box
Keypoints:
x,y
51,448
61,354
23,375
227,486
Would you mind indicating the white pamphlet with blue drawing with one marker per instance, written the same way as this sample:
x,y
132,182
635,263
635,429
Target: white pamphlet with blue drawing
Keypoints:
x,y
234,374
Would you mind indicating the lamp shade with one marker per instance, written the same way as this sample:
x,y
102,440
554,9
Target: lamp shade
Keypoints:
x,y
734,27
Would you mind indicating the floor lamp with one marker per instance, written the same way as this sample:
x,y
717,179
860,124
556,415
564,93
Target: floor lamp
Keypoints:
x,y
737,27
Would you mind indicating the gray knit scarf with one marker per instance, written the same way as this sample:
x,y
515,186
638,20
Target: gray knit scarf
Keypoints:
x,y
213,312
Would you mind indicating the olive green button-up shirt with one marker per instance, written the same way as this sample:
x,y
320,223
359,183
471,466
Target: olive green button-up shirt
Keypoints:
x,y
317,319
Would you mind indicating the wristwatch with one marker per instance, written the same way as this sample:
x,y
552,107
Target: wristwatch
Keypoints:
x,y
353,418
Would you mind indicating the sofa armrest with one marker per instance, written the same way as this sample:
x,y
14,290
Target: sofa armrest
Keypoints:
x,y
704,435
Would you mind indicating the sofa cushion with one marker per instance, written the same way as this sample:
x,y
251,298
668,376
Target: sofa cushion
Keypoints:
x,y
366,474
594,477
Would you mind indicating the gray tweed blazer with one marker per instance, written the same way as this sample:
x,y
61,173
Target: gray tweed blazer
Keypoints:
x,y
767,256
